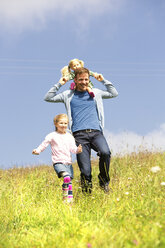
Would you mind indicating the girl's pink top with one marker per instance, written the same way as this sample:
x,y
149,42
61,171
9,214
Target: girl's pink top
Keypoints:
x,y
62,145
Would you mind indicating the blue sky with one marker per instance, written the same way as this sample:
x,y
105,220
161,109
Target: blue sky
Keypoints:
x,y
122,39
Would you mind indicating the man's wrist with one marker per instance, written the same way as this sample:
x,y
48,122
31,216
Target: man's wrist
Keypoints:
x,y
59,84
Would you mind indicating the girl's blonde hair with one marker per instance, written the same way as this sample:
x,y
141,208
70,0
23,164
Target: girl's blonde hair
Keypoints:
x,y
57,118
67,69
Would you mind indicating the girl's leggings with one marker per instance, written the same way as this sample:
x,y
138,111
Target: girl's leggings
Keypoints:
x,y
67,187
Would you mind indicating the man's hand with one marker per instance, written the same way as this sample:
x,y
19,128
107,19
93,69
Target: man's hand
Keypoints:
x,y
63,80
79,149
34,152
99,77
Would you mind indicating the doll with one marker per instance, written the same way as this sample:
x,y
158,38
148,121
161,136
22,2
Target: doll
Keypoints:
x,y
68,74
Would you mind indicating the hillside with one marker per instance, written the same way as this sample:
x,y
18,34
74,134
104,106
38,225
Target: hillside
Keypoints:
x,y
32,213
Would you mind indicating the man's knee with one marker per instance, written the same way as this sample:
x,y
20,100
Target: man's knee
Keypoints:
x,y
104,153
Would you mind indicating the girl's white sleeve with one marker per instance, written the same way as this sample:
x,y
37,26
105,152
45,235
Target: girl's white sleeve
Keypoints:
x,y
73,147
44,144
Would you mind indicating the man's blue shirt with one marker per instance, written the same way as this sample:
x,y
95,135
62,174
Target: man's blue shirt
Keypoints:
x,y
84,112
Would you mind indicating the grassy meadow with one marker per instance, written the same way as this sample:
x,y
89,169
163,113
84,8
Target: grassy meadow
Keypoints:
x,y
33,215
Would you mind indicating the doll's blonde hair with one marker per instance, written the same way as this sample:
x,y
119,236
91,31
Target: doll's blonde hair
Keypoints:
x,y
57,118
67,69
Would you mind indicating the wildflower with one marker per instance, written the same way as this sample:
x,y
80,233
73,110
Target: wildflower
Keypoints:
x,y
163,183
89,245
129,178
126,193
158,224
135,242
155,169
117,199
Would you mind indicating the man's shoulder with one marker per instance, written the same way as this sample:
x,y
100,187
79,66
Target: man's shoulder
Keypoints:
x,y
67,94
96,90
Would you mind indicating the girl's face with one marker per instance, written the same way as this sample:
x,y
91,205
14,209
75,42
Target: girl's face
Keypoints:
x,y
61,125
75,65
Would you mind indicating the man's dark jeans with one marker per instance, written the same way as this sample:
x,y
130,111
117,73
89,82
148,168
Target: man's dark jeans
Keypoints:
x,y
93,140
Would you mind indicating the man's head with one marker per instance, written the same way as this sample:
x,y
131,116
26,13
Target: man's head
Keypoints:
x,y
81,79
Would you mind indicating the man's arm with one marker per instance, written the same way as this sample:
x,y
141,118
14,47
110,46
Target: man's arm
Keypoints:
x,y
111,91
52,96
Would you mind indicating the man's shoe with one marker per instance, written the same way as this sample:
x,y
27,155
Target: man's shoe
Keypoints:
x,y
105,187
86,190
86,186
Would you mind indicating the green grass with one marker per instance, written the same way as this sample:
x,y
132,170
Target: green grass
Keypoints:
x,y
33,215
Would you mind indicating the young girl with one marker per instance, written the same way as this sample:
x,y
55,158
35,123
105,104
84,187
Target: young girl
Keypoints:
x,y
62,145
68,74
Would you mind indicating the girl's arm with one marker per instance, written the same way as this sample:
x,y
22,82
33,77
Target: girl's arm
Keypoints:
x,y
76,149
42,146
73,148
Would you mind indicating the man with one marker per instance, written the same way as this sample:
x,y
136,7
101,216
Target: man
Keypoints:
x,y
86,120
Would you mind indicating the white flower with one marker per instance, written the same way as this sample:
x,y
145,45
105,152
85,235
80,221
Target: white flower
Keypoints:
x,y
129,178
155,169
162,183
117,199
158,224
126,193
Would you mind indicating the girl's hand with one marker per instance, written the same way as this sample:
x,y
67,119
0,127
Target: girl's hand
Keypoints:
x,y
34,152
79,149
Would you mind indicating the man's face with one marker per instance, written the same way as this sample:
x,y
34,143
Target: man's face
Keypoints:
x,y
82,82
